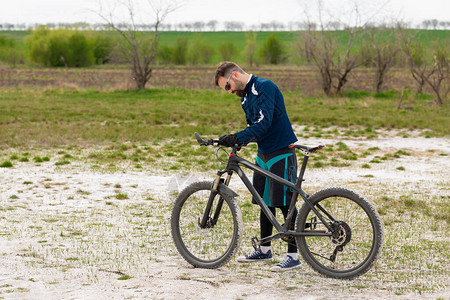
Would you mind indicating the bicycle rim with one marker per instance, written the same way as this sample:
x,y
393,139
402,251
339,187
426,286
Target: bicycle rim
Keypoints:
x,y
209,247
356,245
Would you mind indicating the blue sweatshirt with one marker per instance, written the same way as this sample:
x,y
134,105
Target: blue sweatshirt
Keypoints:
x,y
266,116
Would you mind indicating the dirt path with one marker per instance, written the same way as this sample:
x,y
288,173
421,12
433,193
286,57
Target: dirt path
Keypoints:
x,y
72,233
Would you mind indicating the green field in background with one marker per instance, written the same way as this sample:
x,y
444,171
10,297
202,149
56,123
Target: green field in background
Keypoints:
x,y
64,117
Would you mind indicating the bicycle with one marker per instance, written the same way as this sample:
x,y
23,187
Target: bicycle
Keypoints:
x,y
337,232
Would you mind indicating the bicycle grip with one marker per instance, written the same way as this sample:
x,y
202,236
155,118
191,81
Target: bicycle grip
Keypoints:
x,y
201,141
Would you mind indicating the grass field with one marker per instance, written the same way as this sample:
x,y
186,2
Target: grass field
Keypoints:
x,y
65,117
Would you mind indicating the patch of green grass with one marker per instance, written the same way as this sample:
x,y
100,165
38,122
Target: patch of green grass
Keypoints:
x,y
341,146
6,164
37,159
121,196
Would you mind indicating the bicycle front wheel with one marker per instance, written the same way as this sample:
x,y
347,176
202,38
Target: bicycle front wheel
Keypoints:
x,y
213,245
357,239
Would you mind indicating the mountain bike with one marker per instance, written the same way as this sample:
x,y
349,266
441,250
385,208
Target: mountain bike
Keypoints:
x,y
337,232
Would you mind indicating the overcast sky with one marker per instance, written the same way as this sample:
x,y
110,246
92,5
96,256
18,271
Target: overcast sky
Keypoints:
x,y
248,11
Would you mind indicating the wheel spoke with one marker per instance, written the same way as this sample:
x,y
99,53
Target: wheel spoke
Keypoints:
x,y
357,235
212,245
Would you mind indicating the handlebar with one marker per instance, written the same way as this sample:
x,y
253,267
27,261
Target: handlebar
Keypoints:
x,y
210,142
203,142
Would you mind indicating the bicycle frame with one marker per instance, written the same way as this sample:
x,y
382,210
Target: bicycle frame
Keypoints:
x,y
233,165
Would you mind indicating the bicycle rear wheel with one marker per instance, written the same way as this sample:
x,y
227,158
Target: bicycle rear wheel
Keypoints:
x,y
357,242
209,247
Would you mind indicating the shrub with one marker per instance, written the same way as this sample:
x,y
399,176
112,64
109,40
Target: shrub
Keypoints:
x,y
81,53
9,53
272,51
227,51
250,48
166,54
66,47
102,49
179,51
200,53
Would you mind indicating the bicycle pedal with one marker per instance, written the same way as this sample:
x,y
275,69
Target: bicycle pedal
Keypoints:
x,y
255,243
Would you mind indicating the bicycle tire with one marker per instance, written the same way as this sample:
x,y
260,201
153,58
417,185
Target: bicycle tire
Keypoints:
x,y
360,234
210,247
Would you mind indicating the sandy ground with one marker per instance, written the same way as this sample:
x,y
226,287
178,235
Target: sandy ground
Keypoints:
x,y
66,234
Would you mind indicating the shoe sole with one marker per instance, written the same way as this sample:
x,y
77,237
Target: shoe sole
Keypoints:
x,y
246,260
278,269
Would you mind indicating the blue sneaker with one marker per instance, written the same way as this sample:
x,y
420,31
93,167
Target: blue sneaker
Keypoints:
x,y
257,255
287,264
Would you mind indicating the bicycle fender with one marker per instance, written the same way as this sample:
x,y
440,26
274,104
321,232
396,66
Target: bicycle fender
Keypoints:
x,y
226,191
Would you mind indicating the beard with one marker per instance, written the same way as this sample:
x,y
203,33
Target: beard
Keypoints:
x,y
240,93
240,89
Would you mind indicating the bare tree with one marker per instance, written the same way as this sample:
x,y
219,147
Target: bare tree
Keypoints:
x,y
321,48
234,26
381,55
415,56
138,48
199,25
212,25
428,68
439,74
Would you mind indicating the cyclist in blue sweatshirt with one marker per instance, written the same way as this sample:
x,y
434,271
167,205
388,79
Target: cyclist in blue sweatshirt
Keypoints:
x,y
268,122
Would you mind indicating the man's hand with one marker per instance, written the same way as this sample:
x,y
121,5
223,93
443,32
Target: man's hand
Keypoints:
x,y
228,140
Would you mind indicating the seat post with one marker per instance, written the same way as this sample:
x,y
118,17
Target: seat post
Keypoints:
x,y
302,170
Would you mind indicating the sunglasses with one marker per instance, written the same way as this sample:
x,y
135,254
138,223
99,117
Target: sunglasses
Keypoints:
x,y
227,84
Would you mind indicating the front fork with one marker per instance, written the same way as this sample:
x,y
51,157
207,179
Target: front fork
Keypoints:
x,y
207,221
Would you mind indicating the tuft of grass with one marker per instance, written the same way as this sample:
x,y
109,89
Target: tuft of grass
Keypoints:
x,y
37,159
121,196
6,164
342,146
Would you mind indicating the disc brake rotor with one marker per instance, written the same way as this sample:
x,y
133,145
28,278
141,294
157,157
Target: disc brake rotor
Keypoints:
x,y
342,234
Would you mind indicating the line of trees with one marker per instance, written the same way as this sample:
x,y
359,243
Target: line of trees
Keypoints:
x,y
214,25
381,50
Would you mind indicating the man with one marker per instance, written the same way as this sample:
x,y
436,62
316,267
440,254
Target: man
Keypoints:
x,y
268,122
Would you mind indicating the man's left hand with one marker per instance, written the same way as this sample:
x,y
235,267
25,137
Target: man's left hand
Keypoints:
x,y
228,140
